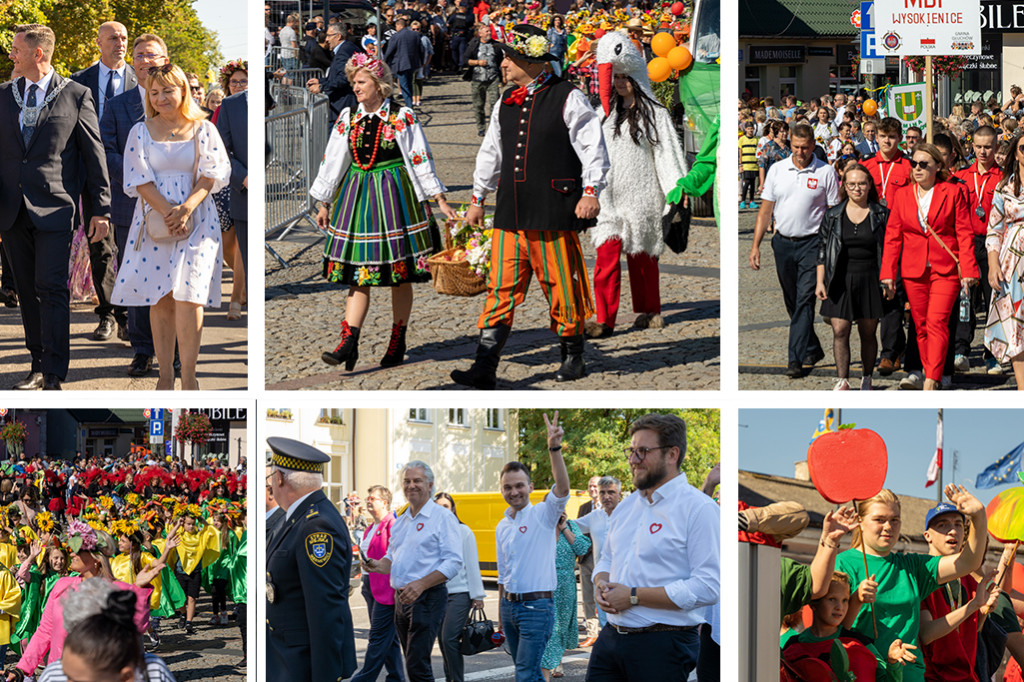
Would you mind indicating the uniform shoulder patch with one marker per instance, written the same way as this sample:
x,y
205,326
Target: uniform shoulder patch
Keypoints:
x,y
313,513
319,547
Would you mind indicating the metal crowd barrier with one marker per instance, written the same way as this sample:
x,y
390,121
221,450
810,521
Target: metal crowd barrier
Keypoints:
x,y
296,140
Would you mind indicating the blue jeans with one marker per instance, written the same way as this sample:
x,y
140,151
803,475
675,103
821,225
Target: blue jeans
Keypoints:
x,y
405,83
382,648
527,626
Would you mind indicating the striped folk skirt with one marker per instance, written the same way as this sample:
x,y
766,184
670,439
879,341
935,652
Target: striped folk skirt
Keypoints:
x,y
380,235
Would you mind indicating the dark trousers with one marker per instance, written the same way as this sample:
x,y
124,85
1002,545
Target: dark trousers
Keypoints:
x,y
981,296
644,656
796,264
140,333
418,624
749,185
6,273
455,617
241,612
709,661
892,338
382,648
102,255
40,263
242,236
220,594
458,44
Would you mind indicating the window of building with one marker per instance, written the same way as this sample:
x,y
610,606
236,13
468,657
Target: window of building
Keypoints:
x,y
494,420
419,415
330,416
457,417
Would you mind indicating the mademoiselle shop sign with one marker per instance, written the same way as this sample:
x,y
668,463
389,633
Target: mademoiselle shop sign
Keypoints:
x,y
928,27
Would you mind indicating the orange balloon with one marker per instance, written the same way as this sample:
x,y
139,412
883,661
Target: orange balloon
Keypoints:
x,y
658,69
679,58
662,43
870,107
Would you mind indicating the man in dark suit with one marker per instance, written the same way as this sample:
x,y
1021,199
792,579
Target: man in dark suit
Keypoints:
x,y
119,117
106,79
53,121
234,130
404,54
309,624
336,86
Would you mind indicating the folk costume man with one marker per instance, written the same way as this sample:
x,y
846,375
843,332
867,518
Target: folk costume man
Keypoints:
x,y
309,557
545,142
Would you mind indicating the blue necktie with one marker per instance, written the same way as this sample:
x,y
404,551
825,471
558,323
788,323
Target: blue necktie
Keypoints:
x,y
26,130
109,94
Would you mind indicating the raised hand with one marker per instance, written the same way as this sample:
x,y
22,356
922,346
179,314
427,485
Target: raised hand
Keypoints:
x,y
555,432
966,503
901,653
867,591
839,523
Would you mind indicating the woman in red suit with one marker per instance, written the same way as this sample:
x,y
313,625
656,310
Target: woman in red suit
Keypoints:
x,y
930,225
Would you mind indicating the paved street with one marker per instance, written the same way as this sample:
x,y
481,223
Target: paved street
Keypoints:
x,y
495,665
764,331
103,365
303,312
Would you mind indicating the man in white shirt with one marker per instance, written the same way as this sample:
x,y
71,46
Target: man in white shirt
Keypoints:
x,y
424,552
595,524
797,190
526,558
659,566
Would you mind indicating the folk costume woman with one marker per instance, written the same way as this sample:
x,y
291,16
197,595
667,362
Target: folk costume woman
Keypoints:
x,y
199,547
376,175
647,160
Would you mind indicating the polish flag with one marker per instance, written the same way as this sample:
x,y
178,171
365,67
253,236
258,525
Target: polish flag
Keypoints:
x,y
936,463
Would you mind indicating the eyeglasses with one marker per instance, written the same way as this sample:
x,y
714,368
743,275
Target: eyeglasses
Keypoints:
x,y
858,185
641,452
923,165
149,56
195,88
165,69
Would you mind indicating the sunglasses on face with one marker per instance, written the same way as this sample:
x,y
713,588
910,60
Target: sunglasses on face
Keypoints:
x,y
923,165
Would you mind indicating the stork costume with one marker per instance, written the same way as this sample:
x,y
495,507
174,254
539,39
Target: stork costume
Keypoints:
x,y
545,143
632,205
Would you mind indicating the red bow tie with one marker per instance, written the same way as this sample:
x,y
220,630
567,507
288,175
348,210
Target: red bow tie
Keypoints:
x,y
517,97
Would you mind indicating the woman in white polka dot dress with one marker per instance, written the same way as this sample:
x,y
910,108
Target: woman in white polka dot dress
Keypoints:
x,y
176,279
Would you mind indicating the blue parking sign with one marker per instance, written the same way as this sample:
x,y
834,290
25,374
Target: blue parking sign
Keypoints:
x,y
156,428
867,31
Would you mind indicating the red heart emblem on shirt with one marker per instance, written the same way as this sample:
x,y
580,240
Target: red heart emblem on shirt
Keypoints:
x,y
655,527
522,529
419,526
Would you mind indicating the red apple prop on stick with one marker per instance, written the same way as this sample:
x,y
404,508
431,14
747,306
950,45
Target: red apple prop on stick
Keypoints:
x,y
849,464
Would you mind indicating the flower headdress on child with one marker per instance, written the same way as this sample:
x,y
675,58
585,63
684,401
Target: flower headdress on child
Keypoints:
x,y
371,64
82,536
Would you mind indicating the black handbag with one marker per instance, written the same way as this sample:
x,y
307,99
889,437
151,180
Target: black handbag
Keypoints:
x,y
477,634
675,227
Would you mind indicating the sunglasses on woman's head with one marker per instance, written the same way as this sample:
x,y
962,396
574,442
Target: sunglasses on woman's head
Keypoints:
x,y
165,69
923,165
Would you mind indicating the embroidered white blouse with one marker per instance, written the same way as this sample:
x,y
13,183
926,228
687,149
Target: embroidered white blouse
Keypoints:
x,y
419,162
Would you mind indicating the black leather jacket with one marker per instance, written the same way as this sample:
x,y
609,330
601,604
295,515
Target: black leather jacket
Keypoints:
x,y
830,235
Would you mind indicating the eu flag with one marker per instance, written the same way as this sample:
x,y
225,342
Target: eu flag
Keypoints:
x,y
1003,471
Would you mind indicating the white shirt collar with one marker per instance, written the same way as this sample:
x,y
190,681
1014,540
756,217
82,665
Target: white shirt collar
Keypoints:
x,y
296,504
43,83
105,73
382,112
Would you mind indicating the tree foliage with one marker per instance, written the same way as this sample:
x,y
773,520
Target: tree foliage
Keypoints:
x,y
191,45
595,439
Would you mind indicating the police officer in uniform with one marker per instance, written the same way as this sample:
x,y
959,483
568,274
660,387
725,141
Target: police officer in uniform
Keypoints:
x,y
309,625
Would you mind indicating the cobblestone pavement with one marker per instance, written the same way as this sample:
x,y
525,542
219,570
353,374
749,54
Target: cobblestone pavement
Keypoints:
x,y
764,332
103,365
303,312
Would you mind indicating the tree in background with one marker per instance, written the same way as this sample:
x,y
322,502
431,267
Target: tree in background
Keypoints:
x,y
190,45
595,439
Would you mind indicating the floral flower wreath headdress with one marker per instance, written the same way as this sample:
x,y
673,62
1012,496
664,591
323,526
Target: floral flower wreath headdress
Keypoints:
x,y
229,70
371,64
83,536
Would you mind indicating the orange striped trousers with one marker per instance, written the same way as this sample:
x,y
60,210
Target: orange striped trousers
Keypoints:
x,y
556,259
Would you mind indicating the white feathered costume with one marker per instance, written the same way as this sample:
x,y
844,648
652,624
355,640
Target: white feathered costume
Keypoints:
x,y
633,201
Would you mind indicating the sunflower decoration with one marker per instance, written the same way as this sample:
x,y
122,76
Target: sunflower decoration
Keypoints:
x,y
96,524
106,501
193,510
44,522
123,528
132,500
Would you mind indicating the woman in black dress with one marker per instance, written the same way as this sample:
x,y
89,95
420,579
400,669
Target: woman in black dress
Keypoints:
x,y
849,254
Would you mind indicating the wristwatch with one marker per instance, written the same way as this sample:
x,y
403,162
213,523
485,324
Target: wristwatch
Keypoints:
x,y
633,599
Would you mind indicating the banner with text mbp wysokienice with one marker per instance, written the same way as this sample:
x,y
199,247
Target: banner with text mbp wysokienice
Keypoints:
x,y
927,27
